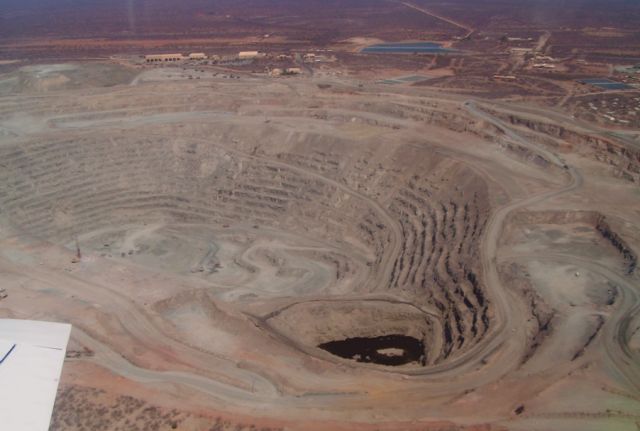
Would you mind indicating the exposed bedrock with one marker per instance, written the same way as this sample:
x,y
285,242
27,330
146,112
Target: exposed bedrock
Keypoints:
x,y
592,219
366,222
624,160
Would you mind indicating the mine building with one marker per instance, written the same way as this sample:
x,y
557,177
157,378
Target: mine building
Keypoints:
x,y
155,58
504,77
243,55
284,72
197,56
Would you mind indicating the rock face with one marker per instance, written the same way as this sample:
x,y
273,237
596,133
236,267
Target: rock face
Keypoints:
x,y
420,241
304,256
623,159
593,220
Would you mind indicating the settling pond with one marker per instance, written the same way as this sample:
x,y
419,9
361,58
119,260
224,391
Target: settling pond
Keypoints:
x,y
407,48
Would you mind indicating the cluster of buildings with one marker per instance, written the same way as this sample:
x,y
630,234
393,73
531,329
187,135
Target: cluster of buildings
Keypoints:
x,y
543,62
619,109
162,58
242,57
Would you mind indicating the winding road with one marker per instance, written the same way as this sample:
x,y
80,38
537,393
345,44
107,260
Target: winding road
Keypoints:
x,y
616,335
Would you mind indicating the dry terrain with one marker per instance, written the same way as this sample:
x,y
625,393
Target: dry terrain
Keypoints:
x,y
312,253
433,241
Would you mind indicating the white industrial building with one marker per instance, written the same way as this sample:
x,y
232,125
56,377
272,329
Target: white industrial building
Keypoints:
x,y
248,54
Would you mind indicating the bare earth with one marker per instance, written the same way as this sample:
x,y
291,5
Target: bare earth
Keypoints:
x,y
205,236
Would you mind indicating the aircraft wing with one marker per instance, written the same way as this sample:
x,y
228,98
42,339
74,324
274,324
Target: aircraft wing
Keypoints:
x,y
31,358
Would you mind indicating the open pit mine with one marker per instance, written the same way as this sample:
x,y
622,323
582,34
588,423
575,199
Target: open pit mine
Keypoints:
x,y
318,254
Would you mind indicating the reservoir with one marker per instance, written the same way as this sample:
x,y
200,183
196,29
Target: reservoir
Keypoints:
x,y
407,48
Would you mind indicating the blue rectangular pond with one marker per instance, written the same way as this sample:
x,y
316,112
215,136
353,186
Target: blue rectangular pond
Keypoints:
x,y
605,84
407,48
